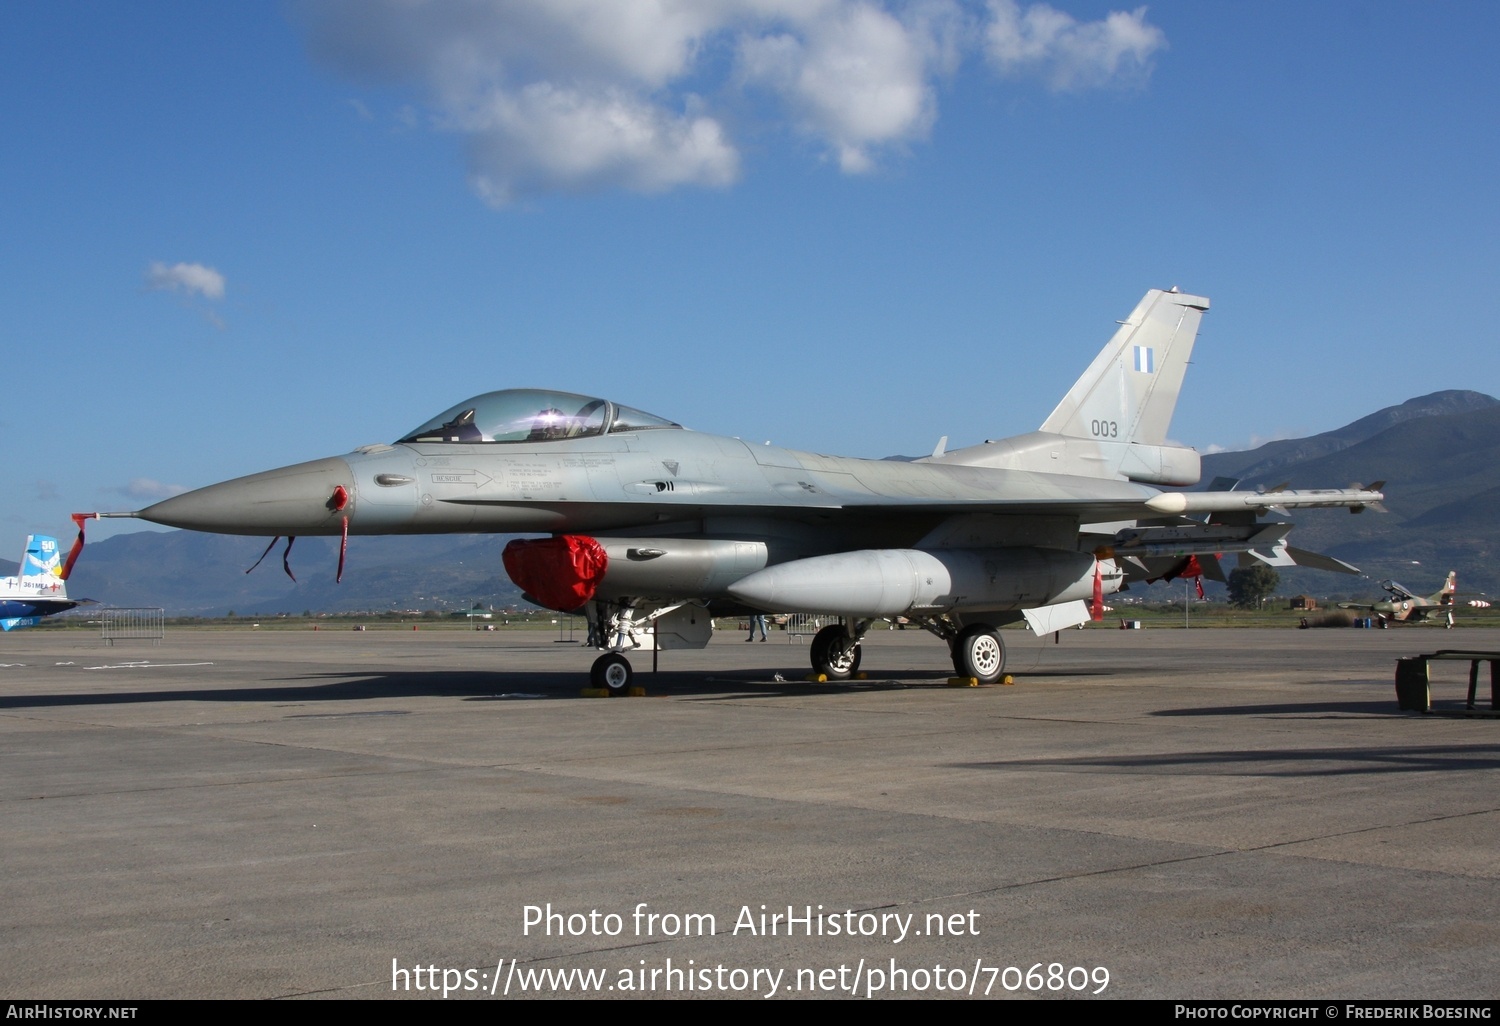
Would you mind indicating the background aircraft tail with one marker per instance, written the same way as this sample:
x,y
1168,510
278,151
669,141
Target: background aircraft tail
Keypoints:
x,y
43,558
37,589
1445,594
1129,392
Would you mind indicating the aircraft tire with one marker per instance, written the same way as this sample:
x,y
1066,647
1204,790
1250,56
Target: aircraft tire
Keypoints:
x,y
834,654
978,652
613,673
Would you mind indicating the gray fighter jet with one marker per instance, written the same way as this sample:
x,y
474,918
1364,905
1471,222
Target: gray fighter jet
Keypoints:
x,y
654,528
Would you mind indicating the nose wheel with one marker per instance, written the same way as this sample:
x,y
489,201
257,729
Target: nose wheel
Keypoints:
x,y
834,654
612,672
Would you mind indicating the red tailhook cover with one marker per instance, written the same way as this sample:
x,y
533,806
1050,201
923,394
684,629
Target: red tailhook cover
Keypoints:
x,y
560,573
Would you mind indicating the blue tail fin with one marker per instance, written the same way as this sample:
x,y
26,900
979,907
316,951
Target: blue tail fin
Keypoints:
x,y
37,590
42,557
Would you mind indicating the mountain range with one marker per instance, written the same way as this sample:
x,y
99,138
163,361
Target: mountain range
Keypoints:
x,y
1439,456
192,574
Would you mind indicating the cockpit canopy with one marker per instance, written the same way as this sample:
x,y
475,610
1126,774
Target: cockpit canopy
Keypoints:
x,y
533,415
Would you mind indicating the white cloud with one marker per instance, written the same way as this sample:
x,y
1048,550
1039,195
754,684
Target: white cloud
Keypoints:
x,y
193,279
146,488
1069,54
576,95
549,138
855,75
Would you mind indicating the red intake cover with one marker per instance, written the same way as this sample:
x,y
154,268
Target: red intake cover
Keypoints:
x,y
560,573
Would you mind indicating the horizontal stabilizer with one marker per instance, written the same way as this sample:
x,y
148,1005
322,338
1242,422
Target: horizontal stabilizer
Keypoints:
x,y
1318,561
1283,555
1276,556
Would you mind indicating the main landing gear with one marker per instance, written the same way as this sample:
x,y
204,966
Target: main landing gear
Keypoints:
x,y
978,652
976,649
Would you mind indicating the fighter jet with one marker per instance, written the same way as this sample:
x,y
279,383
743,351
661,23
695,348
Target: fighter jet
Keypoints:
x,y
654,529
39,587
1405,607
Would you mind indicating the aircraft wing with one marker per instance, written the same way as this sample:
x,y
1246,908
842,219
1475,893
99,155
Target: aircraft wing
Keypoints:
x,y
1093,507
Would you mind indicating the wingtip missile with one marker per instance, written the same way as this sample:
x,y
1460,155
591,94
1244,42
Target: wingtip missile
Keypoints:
x,y
1178,503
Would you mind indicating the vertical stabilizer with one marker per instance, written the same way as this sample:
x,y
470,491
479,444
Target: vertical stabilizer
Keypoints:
x,y
42,557
1130,390
1445,596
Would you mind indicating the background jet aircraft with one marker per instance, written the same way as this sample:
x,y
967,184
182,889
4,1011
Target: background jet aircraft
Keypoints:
x,y
39,587
1404,607
655,528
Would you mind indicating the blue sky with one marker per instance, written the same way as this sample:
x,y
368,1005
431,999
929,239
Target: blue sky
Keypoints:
x,y
238,236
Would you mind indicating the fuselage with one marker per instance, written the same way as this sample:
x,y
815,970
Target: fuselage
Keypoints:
x,y
672,482
38,595
484,467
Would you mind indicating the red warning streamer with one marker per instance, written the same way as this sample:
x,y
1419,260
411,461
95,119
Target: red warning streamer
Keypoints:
x,y
1194,569
80,519
1189,567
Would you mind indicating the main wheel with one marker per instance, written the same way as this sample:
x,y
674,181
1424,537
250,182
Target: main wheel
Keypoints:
x,y
612,672
834,654
978,652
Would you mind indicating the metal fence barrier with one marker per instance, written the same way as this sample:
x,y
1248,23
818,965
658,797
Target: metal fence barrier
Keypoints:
x,y
132,624
801,625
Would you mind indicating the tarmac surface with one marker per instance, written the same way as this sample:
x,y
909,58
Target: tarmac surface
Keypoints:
x,y
1199,814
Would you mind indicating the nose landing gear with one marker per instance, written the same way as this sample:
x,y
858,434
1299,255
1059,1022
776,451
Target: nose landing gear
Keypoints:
x,y
612,672
835,653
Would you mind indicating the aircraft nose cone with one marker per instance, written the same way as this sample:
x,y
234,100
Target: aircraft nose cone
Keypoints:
x,y
301,499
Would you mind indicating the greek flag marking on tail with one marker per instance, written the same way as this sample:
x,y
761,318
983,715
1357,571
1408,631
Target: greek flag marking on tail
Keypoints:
x,y
1145,360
